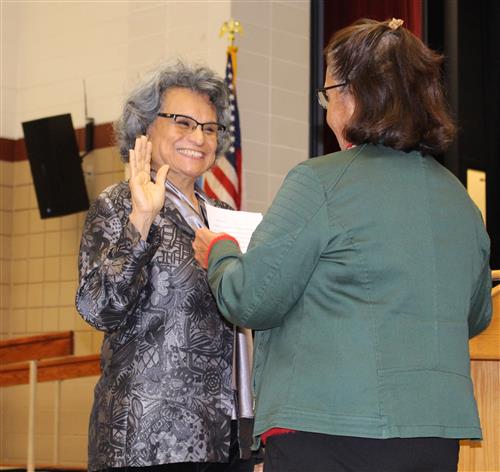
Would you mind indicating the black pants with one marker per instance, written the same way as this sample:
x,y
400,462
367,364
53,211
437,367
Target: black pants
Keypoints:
x,y
313,452
189,467
235,464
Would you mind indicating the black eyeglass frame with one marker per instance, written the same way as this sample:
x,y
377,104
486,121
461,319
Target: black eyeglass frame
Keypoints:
x,y
174,116
321,92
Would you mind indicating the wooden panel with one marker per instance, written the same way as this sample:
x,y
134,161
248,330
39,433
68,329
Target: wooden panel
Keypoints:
x,y
21,466
69,367
486,346
482,456
36,347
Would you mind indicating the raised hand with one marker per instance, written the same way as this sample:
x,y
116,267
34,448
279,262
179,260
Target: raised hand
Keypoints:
x,y
147,196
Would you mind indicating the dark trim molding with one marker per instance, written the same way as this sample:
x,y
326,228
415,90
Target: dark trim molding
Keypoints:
x,y
13,150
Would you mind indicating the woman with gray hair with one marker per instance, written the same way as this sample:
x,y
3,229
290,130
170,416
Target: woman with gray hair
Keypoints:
x,y
164,399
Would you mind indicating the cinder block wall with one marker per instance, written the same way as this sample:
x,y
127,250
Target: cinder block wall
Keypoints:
x,y
273,93
46,54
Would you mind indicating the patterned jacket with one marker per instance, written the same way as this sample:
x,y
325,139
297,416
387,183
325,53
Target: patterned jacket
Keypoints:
x,y
165,394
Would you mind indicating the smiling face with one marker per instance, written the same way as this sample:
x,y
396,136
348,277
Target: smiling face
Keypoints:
x,y
340,109
188,153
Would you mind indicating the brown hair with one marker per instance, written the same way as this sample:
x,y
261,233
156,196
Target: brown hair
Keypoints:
x,y
395,80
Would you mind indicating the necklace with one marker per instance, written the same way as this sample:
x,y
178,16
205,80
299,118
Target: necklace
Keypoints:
x,y
193,218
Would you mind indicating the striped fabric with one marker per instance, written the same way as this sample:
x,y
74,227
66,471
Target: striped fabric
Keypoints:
x,y
223,181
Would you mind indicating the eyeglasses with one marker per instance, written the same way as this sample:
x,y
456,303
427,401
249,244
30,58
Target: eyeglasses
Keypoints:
x,y
323,96
188,124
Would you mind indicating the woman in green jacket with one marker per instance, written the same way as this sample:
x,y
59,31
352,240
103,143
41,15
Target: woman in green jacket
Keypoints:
x,y
366,277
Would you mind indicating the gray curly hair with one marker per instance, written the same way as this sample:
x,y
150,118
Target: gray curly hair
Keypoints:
x,y
144,102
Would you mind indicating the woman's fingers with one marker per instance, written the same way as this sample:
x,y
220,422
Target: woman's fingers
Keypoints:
x,y
161,175
139,145
203,239
135,162
148,154
132,163
140,156
200,249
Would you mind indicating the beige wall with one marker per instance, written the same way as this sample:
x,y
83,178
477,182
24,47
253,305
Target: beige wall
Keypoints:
x,y
39,277
49,48
273,91
45,56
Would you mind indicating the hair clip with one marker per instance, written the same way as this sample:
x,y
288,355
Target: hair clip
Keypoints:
x,y
395,23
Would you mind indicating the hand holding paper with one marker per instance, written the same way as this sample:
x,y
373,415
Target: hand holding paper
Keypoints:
x,y
238,224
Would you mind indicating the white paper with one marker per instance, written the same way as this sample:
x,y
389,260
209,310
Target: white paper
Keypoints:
x,y
238,224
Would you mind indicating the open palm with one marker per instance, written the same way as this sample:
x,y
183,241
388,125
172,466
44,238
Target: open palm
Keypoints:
x,y
147,196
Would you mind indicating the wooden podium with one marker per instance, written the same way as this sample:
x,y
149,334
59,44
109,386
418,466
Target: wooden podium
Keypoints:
x,y
484,456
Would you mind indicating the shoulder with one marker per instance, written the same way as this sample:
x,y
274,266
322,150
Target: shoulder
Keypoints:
x,y
326,170
113,200
301,187
116,192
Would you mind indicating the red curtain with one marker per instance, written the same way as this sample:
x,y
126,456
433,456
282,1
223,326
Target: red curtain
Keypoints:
x,y
340,13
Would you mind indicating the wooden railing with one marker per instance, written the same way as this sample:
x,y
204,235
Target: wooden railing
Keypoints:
x,y
48,370
36,347
44,364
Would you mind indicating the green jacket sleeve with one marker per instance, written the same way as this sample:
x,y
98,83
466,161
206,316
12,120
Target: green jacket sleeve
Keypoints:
x,y
257,289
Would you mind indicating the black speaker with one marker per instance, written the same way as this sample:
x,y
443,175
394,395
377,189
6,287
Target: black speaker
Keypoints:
x,y
55,165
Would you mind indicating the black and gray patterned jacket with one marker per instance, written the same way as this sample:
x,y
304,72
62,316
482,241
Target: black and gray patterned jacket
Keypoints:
x,y
164,395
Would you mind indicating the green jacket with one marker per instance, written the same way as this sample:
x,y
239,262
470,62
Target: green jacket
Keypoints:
x,y
364,282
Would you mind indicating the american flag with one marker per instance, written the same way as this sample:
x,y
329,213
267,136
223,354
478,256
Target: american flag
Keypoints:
x,y
223,180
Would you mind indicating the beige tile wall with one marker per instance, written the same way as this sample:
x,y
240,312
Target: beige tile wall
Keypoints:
x,y
6,190
45,57
46,53
39,278
273,93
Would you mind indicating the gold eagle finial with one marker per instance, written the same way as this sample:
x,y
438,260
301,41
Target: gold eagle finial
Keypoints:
x,y
230,28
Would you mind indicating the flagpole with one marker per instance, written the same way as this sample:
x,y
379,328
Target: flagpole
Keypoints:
x,y
223,181
231,28
243,348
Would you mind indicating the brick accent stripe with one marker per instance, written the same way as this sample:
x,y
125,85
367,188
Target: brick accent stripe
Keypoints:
x,y
13,150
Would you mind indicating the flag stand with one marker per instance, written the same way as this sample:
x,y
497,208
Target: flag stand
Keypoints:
x,y
224,180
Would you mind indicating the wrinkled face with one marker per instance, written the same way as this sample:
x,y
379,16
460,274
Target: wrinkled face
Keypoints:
x,y
340,108
188,152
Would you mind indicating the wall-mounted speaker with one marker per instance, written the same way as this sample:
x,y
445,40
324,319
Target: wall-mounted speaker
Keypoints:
x,y
55,166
